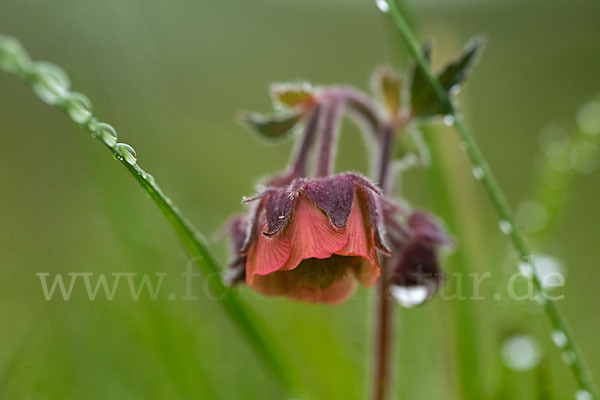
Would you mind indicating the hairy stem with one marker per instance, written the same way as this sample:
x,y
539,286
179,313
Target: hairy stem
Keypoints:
x,y
383,349
47,83
310,131
558,322
332,113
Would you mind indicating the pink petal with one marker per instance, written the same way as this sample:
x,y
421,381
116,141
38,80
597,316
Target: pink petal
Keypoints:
x,y
267,255
311,234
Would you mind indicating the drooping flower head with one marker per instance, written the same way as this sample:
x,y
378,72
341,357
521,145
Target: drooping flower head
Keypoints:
x,y
314,239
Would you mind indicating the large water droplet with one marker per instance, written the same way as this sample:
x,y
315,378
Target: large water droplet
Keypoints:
x,y
78,106
382,5
478,172
50,82
588,118
505,227
521,353
559,338
583,395
127,152
107,133
410,296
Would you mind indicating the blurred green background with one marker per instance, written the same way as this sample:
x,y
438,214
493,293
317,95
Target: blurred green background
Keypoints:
x,y
170,77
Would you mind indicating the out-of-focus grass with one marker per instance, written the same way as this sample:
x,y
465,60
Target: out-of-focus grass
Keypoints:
x,y
171,78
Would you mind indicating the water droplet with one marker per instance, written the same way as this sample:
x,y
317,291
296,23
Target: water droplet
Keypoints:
x,y
505,227
150,179
448,120
559,338
463,146
525,269
521,353
583,395
568,357
13,57
50,82
541,299
127,153
478,172
410,296
588,118
382,5
78,106
549,270
107,133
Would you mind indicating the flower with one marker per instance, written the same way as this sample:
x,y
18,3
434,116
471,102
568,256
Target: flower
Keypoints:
x,y
314,239
415,262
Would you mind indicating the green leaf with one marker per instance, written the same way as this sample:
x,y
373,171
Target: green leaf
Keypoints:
x,y
271,126
292,94
424,101
388,85
457,71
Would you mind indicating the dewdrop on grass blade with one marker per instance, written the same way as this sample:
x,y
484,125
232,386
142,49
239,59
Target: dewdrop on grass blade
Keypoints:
x,y
559,338
127,153
50,82
505,226
478,172
382,5
107,133
569,357
78,106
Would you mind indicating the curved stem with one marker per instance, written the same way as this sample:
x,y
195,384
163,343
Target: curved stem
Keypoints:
x,y
332,112
383,349
194,243
301,156
558,322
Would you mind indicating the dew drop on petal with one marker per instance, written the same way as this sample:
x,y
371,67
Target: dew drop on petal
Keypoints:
x,y
521,353
505,227
478,172
127,153
409,296
559,338
382,5
583,395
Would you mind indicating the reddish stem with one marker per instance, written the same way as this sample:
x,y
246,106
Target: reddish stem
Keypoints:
x,y
332,112
383,350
